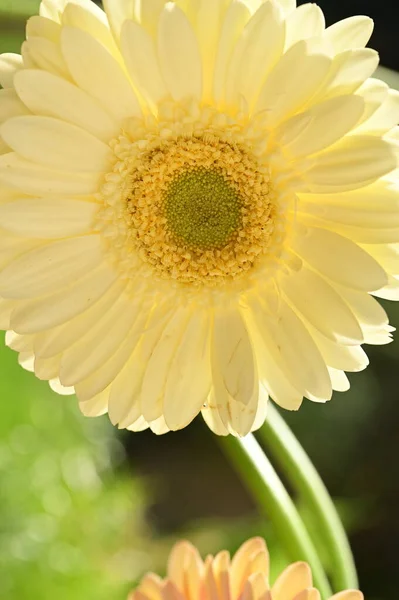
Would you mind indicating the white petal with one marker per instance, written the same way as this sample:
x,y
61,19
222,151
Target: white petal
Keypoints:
x,y
139,52
353,32
232,355
51,96
353,163
97,72
34,179
158,366
179,54
322,306
48,368
340,259
189,378
306,21
48,218
49,311
321,125
51,267
236,17
295,79
9,65
257,51
56,144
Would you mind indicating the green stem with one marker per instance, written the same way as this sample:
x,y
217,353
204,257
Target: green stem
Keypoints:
x,y
267,489
303,476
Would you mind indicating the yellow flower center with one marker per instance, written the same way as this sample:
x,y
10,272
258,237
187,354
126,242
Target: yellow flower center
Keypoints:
x,y
198,205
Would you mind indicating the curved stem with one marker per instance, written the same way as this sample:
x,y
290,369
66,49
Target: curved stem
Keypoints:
x,y
306,480
272,497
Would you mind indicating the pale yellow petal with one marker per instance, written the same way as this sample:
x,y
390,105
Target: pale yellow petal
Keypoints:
x,y
159,364
35,179
232,354
108,85
321,305
51,267
91,19
139,52
179,54
48,218
56,144
306,21
9,65
294,79
125,394
320,126
353,32
46,55
339,259
38,26
189,381
95,347
49,311
352,163
236,17
118,11
257,51
339,381
10,105
51,96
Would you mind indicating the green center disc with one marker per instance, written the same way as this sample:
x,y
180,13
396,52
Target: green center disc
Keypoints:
x,y
203,209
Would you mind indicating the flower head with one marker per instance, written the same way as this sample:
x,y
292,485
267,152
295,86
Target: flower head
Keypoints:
x,y
197,199
245,577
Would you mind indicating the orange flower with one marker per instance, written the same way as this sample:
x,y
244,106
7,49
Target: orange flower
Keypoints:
x,y
245,577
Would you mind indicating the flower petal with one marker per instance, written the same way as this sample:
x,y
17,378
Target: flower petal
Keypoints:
x,y
51,96
322,306
353,32
55,144
233,355
108,85
139,52
48,219
35,179
306,21
189,382
49,311
340,259
179,54
51,267
293,580
9,65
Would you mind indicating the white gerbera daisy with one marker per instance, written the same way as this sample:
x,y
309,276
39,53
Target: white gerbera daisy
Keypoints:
x,y
197,199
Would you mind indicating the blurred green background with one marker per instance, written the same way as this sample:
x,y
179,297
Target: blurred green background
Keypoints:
x,y
85,509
